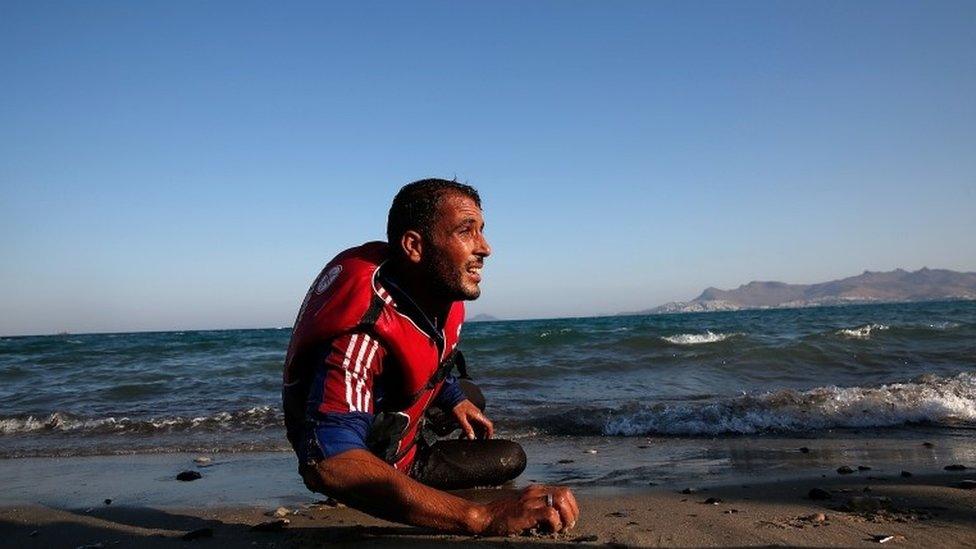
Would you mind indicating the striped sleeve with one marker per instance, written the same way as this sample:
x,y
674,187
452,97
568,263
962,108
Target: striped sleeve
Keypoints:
x,y
352,363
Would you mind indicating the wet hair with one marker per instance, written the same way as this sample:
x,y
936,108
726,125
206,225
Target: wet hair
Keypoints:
x,y
415,206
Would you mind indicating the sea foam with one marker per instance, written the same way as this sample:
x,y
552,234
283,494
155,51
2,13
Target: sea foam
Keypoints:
x,y
929,399
697,339
862,332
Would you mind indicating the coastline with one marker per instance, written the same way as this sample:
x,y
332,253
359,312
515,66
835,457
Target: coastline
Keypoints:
x,y
62,502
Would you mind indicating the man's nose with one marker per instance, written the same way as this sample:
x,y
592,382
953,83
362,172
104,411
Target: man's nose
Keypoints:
x,y
483,249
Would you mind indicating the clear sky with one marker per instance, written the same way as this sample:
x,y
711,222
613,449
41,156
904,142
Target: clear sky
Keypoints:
x,y
184,165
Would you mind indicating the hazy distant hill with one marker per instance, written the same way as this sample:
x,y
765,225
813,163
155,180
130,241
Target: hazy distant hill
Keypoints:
x,y
895,286
481,318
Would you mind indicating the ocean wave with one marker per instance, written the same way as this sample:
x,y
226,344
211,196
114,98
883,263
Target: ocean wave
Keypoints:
x,y
928,399
697,339
257,417
862,332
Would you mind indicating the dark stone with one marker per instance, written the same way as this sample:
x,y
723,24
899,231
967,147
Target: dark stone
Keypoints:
x,y
564,461
643,446
688,491
863,468
271,526
955,467
966,484
187,476
108,501
712,501
199,533
905,474
818,494
845,470
804,450
928,445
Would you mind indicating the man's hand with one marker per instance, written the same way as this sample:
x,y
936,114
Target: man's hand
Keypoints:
x,y
531,509
469,416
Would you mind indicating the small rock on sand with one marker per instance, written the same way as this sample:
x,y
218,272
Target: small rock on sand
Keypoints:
x,y
818,494
108,501
712,501
202,460
967,484
845,470
280,512
187,476
905,474
863,468
271,525
955,467
928,445
804,450
815,518
689,491
199,533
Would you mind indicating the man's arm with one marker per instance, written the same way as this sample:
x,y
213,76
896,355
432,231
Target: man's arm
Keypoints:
x,y
365,482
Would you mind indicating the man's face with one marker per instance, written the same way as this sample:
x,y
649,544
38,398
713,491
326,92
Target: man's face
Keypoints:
x,y
457,249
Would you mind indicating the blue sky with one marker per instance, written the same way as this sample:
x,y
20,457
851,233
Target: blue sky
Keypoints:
x,y
184,165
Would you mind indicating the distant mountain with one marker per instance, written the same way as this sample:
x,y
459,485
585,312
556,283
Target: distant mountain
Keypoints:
x,y
869,287
481,318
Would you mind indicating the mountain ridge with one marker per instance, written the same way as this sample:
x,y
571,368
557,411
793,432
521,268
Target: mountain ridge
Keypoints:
x,y
894,286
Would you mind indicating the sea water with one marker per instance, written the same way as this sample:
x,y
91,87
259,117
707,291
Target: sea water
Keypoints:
x,y
702,386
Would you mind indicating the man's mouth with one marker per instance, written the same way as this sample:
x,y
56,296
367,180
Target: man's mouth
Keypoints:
x,y
475,272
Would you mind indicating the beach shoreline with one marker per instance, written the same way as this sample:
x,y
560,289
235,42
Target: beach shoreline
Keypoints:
x,y
135,500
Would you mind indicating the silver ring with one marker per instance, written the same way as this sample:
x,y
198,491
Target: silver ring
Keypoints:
x,y
549,501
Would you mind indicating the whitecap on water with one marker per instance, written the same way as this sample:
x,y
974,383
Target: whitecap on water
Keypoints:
x,y
697,339
862,332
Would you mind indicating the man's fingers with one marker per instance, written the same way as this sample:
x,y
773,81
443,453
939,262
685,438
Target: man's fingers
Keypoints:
x,y
486,423
466,427
567,514
566,497
551,519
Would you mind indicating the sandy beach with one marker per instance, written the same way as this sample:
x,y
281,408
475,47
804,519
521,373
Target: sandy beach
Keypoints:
x,y
126,501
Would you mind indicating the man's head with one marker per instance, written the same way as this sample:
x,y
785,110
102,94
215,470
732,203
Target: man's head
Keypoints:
x,y
435,226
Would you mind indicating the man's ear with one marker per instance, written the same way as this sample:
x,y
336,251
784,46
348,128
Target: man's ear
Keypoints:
x,y
413,246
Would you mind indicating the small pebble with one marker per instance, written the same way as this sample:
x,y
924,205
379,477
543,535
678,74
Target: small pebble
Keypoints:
x,y
804,450
187,476
905,474
202,460
712,501
199,533
731,511
565,461
863,468
928,445
955,467
845,470
108,501
816,517
591,451
688,491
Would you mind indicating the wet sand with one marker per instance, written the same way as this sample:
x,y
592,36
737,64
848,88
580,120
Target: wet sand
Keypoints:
x,y
151,509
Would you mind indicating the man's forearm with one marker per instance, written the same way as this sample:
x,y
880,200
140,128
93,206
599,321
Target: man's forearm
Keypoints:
x,y
363,481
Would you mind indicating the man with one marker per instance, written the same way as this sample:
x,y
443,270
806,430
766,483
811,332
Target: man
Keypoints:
x,y
370,361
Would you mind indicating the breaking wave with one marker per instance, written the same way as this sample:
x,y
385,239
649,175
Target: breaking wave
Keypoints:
x,y
862,332
928,400
697,339
257,417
